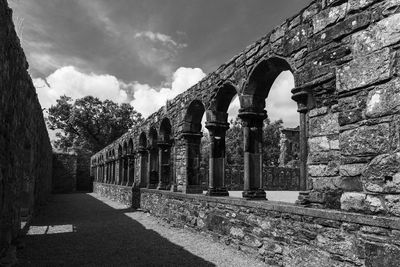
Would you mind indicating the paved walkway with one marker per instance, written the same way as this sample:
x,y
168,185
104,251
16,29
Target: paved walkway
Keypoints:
x,y
85,230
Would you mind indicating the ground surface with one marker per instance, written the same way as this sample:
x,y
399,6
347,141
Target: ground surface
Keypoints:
x,y
86,230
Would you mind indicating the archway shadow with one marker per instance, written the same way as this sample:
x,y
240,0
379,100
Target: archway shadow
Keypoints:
x,y
80,230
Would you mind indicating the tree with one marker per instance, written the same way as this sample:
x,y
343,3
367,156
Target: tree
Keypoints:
x,y
271,140
234,143
89,123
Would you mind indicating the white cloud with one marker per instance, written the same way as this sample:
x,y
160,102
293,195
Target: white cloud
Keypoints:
x,y
148,100
159,37
71,82
280,104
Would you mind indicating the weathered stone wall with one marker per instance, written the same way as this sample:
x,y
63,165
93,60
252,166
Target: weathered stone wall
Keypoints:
x,y
344,55
120,194
283,234
64,172
26,156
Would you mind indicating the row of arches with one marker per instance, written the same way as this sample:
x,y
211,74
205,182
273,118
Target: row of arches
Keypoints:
x,y
152,158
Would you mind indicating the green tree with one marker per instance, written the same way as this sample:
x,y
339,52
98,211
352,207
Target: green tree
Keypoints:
x,y
271,140
89,123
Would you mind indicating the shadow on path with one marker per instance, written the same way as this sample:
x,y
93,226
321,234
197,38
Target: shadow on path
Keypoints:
x,y
79,230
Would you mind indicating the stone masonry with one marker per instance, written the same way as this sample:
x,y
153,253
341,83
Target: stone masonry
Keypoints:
x,y
26,156
345,59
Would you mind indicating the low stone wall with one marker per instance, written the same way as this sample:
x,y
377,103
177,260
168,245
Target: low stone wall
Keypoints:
x,y
118,193
283,234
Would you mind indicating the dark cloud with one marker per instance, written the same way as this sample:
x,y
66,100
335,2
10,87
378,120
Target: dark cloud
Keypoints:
x,y
99,35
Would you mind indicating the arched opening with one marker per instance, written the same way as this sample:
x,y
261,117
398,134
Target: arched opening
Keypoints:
x,y
131,163
120,165
124,164
217,125
153,158
143,160
269,87
192,135
164,146
112,180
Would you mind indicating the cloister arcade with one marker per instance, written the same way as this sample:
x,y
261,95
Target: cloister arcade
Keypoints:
x,y
167,152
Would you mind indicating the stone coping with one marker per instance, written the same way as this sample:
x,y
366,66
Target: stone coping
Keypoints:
x,y
335,215
118,185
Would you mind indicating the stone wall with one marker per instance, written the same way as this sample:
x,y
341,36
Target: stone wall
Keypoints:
x,y
345,56
64,172
283,234
120,194
26,156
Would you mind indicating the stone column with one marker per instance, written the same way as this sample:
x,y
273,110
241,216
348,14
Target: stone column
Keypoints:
x,y
131,174
117,170
253,143
217,126
192,159
163,165
304,103
143,166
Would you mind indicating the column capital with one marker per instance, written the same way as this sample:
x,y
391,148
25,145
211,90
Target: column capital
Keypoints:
x,y
303,98
252,118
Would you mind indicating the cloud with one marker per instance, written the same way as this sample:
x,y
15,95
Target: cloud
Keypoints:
x,y
279,103
148,100
71,82
159,37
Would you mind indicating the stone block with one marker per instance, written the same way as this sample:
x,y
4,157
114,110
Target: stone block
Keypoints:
x,y
323,143
392,203
382,174
364,71
317,112
384,33
381,255
384,99
328,16
355,5
352,201
324,125
352,169
365,140
332,169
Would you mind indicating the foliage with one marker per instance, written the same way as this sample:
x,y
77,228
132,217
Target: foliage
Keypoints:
x,y
234,143
89,123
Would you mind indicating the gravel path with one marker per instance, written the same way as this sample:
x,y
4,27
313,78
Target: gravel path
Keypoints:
x,y
86,230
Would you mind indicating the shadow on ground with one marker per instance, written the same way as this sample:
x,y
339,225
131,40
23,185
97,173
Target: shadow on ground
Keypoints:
x,y
79,230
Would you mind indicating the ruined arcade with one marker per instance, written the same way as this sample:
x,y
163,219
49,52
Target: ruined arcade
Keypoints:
x,y
344,56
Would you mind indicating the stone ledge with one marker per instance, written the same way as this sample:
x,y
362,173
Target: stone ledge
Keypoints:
x,y
336,215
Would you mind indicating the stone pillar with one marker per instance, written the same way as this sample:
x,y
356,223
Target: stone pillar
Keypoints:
x,y
130,170
117,170
253,163
152,166
217,126
164,153
304,102
192,159
143,167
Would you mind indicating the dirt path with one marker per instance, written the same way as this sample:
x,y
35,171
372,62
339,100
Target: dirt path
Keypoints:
x,y
86,230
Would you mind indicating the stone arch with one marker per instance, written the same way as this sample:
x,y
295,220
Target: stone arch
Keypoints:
x,y
153,160
217,125
192,135
252,113
193,116
263,76
164,146
143,160
119,165
131,162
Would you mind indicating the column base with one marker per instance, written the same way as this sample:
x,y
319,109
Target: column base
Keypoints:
x,y
192,189
162,186
217,192
255,195
303,199
151,186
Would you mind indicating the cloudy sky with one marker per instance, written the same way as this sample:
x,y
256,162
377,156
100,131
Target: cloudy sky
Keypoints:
x,y
143,51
